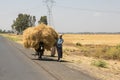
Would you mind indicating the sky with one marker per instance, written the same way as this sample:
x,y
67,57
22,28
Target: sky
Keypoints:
x,y
67,15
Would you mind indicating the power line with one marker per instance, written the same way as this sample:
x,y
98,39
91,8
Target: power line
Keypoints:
x,y
89,10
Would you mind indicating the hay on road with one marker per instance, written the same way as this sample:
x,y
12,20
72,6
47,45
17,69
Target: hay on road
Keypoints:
x,y
33,35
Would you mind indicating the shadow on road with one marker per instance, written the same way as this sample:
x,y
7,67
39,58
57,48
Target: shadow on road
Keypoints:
x,y
49,58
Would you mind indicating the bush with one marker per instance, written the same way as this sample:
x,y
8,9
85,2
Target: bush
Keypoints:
x,y
113,53
107,53
99,63
118,46
78,44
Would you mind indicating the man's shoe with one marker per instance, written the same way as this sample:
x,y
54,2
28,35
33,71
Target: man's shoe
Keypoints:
x,y
59,60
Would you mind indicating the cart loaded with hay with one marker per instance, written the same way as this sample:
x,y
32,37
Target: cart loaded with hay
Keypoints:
x,y
41,37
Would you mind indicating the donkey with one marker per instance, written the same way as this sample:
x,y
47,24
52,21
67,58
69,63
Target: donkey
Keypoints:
x,y
40,50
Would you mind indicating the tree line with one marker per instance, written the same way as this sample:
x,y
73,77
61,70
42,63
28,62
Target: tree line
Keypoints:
x,y
23,21
5,31
2,31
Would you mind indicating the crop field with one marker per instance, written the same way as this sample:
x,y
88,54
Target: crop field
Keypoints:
x,y
105,46
93,51
93,39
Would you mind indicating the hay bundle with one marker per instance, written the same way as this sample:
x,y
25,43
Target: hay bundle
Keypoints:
x,y
33,35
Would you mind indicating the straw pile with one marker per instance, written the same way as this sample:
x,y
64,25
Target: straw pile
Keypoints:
x,y
33,35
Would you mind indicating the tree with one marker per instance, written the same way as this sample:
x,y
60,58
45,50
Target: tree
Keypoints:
x,y
4,31
43,19
0,30
22,22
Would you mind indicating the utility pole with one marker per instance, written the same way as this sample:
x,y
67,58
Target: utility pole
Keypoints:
x,y
49,5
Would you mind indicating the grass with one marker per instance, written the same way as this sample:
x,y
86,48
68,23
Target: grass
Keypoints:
x,y
113,53
13,37
99,63
100,51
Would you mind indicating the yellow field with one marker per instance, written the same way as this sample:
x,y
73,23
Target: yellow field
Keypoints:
x,y
113,66
95,39
84,39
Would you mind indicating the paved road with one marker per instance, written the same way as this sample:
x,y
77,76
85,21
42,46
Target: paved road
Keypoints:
x,y
17,63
